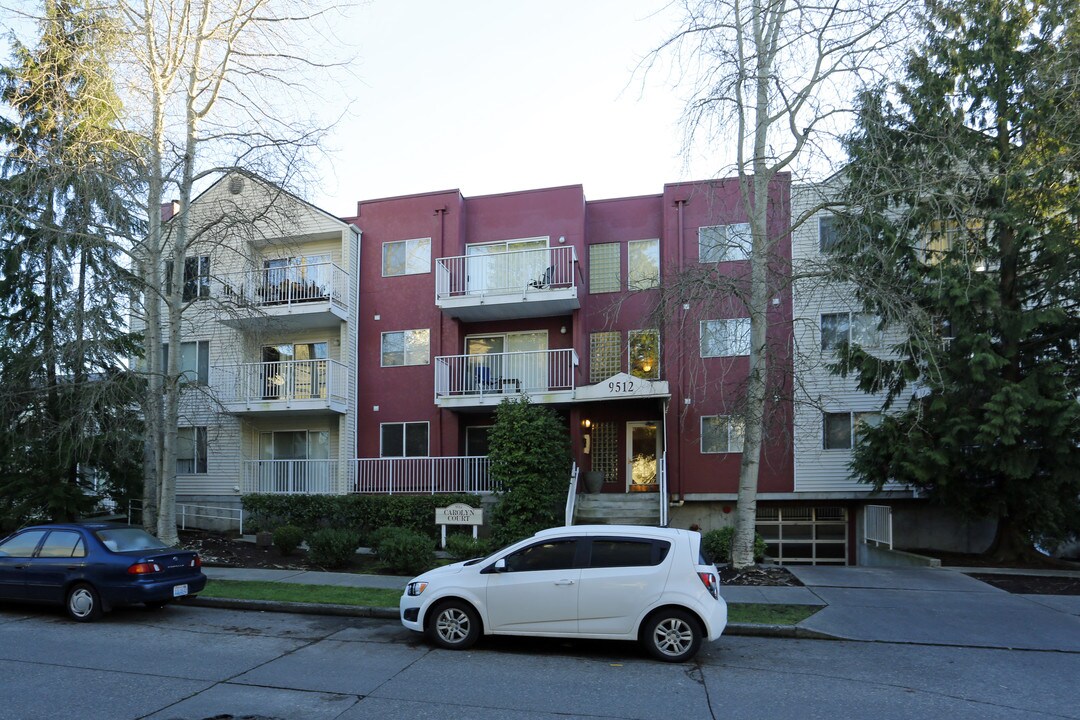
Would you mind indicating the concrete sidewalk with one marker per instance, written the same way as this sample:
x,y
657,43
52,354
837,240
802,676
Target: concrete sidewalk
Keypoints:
x,y
932,606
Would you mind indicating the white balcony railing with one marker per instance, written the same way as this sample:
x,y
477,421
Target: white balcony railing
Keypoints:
x,y
288,477
516,271
429,475
533,372
283,381
285,286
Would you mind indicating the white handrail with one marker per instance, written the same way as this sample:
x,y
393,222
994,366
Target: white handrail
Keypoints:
x,y
571,495
532,372
514,271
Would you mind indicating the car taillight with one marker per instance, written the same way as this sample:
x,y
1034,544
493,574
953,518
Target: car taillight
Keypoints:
x,y
143,568
711,583
197,562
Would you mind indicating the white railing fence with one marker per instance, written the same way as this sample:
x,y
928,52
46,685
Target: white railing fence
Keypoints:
x,y
287,381
291,477
516,271
431,475
662,464
190,513
877,525
571,495
271,287
532,372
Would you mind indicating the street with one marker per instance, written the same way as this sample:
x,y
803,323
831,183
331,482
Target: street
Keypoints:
x,y
192,663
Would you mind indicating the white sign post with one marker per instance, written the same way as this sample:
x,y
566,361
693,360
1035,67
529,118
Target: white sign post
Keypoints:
x,y
458,514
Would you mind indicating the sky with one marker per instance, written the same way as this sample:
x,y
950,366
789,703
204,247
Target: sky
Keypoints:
x,y
492,96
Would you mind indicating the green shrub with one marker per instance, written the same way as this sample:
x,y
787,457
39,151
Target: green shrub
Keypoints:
x,y
716,545
464,547
332,547
401,550
287,538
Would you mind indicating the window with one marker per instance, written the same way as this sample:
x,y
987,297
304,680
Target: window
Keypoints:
x,y
854,328
844,430
408,347
644,354
557,555
608,553
604,261
404,439
191,451
721,434
725,338
63,544
196,277
642,264
406,257
22,545
604,355
724,243
827,235
194,362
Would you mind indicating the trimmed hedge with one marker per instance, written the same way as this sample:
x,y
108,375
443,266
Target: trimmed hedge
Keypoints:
x,y
332,547
287,538
361,513
717,545
403,551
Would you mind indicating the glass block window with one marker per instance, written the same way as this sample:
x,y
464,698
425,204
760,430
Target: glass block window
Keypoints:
x,y
605,450
604,355
643,264
604,261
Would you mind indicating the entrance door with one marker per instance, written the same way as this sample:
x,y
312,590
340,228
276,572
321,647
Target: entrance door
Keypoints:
x,y
642,456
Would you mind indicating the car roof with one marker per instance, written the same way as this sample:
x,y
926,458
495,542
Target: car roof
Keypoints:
x,y
631,530
74,526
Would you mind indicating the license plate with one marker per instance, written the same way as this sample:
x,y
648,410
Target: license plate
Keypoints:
x,y
179,590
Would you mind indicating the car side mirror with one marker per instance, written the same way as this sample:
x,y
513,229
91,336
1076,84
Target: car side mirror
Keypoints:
x,y
500,565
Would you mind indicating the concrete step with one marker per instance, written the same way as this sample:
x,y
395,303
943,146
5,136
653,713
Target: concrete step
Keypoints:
x,y
617,509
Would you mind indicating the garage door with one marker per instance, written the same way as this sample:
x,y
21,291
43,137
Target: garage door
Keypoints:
x,y
804,535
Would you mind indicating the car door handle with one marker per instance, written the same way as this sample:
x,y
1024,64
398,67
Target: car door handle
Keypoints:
x,y
564,582
21,567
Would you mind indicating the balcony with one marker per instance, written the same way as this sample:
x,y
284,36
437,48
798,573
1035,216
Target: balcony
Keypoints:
x,y
291,477
296,387
507,285
475,381
285,298
427,475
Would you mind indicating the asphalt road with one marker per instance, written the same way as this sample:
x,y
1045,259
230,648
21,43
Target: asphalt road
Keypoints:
x,y
194,663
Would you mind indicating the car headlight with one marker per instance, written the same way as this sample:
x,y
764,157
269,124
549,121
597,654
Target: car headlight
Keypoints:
x,y
415,588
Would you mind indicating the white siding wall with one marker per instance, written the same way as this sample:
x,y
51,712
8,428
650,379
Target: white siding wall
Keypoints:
x,y
817,390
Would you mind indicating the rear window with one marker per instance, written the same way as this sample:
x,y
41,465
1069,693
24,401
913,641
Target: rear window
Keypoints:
x,y
129,539
609,552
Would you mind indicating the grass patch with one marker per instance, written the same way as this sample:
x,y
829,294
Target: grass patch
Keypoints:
x,y
294,592
769,614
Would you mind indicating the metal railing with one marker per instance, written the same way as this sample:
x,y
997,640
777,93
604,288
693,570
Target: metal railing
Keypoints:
x,y
571,495
877,525
283,381
284,286
188,511
516,271
533,372
290,477
662,464
429,475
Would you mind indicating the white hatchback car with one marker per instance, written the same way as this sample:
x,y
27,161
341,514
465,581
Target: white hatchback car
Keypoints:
x,y
614,582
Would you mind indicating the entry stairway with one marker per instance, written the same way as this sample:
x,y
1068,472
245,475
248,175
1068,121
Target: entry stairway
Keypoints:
x,y
617,509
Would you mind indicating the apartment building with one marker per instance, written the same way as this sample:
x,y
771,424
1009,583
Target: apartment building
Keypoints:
x,y
268,350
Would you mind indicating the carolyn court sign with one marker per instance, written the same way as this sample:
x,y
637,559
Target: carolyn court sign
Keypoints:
x,y
458,514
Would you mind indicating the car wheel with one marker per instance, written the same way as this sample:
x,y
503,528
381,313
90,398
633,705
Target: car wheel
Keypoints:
x,y
454,625
83,603
672,635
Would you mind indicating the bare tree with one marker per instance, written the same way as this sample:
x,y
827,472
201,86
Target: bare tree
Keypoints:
x,y
769,77
211,86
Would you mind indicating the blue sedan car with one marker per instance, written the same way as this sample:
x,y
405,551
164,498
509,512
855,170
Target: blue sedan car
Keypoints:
x,y
93,567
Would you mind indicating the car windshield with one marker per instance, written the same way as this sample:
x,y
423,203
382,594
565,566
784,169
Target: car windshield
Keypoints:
x,y
128,539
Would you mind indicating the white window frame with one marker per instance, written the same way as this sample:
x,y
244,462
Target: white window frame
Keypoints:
x,y
736,429
855,419
200,374
634,282
410,246
630,336
732,243
736,333
875,336
827,226
404,438
197,436
405,359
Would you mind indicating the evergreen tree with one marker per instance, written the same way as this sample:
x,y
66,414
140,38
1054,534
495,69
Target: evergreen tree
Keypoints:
x,y
67,404
964,186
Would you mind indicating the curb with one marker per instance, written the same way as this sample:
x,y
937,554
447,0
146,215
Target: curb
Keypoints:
x,y
742,629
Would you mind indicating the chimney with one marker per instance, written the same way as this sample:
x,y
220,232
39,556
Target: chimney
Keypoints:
x,y
169,210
